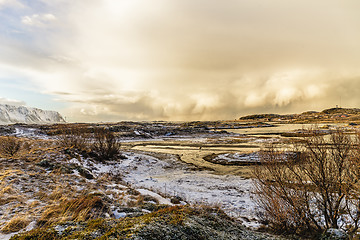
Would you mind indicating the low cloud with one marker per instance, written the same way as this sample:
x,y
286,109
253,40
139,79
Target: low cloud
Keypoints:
x,y
10,4
38,20
12,102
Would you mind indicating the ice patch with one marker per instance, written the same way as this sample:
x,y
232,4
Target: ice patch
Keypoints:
x,y
160,199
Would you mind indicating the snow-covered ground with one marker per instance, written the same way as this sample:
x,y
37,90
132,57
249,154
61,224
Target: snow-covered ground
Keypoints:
x,y
166,177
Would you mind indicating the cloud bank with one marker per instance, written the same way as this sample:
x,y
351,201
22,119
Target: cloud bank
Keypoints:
x,y
181,60
12,102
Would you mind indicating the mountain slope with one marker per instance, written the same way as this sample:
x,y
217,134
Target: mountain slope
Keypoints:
x,y
21,114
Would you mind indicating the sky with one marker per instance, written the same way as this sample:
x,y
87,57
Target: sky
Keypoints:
x,y
114,60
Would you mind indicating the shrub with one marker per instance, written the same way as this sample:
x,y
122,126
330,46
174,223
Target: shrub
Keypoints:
x,y
319,192
73,137
10,146
105,145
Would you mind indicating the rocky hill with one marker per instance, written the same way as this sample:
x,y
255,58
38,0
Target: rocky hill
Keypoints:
x,y
327,115
14,114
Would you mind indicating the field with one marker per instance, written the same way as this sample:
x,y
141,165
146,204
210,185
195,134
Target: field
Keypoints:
x,y
58,180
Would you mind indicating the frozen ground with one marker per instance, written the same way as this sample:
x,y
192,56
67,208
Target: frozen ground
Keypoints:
x,y
166,175
232,193
237,158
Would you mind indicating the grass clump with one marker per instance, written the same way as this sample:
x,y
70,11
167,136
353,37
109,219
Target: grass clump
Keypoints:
x,y
16,224
10,146
78,209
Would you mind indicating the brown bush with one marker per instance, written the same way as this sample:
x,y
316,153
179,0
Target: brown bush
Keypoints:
x,y
316,193
10,146
74,138
105,145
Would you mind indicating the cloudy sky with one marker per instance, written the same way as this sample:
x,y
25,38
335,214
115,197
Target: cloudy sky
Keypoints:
x,y
111,60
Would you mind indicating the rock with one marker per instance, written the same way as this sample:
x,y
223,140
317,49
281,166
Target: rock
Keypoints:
x,y
46,164
176,200
85,173
335,234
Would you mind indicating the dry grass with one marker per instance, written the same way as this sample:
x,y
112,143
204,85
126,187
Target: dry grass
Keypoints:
x,y
9,173
79,209
6,200
9,146
34,204
7,190
57,193
41,195
58,129
15,224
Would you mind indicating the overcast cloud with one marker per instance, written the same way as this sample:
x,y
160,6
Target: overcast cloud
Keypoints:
x,y
184,59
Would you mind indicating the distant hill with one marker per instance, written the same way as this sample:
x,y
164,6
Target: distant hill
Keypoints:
x,y
331,114
342,111
260,116
13,114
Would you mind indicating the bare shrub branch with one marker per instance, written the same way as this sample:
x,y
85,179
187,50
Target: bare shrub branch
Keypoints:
x,y
319,192
105,145
73,137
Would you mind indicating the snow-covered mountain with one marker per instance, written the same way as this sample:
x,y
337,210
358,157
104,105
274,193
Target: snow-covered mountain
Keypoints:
x,y
21,114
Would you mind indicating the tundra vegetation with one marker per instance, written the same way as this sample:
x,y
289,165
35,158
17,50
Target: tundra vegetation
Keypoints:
x,y
98,142
61,187
9,146
317,190
54,188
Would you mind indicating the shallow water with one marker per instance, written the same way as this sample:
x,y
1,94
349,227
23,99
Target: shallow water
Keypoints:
x,y
194,155
274,131
193,151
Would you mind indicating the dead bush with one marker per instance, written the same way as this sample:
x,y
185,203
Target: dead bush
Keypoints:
x,y
73,138
105,145
10,146
319,192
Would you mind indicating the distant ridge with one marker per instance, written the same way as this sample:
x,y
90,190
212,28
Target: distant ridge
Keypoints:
x,y
20,114
342,111
327,114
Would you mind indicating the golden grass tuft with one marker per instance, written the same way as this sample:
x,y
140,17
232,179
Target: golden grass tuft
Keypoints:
x,y
6,200
8,173
57,193
7,190
16,224
79,209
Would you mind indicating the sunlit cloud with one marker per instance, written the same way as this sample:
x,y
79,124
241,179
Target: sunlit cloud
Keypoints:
x,y
180,60
11,4
38,20
13,102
